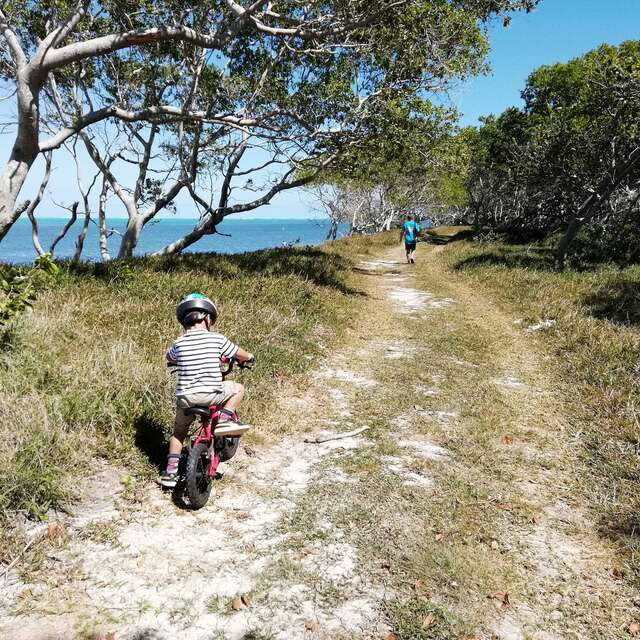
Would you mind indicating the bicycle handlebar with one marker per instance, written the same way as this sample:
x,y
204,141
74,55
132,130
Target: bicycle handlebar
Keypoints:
x,y
246,364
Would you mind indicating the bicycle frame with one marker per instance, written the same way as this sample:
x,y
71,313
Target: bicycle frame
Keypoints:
x,y
205,435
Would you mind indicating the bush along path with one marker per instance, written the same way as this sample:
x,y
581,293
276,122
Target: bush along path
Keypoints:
x,y
449,513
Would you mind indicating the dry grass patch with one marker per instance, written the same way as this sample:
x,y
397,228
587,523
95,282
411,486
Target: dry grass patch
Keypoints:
x,y
593,343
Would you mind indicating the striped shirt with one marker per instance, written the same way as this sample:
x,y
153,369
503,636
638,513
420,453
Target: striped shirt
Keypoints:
x,y
198,354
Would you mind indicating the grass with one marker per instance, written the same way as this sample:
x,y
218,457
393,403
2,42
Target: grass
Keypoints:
x,y
83,374
594,344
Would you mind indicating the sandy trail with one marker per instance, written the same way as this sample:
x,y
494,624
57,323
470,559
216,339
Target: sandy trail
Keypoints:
x,y
265,558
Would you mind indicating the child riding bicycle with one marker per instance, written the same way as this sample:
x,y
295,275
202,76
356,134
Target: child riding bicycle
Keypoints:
x,y
196,354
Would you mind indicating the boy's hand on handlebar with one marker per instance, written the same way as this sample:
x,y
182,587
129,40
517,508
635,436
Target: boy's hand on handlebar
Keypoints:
x,y
249,363
244,358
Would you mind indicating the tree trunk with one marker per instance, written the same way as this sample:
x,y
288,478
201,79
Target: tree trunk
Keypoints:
x,y
586,210
333,230
83,232
131,236
31,209
23,154
102,224
65,229
206,227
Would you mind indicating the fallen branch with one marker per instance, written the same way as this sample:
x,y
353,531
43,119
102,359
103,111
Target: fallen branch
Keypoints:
x,y
339,436
24,550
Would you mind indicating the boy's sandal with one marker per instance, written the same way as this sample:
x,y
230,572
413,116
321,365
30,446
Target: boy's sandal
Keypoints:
x,y
168,480
230,428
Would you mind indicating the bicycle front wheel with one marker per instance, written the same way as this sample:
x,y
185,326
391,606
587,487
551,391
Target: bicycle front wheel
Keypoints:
x,y
197,480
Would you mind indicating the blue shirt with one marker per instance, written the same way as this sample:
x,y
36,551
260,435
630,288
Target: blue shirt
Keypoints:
x,y
411,229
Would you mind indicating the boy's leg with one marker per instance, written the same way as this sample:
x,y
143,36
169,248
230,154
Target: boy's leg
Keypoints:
x,y
228,423
236,391
180,429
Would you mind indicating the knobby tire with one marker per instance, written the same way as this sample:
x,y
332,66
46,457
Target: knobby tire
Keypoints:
x,y
197,480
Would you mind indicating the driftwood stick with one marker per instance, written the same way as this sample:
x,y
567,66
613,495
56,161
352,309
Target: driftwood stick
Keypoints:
x,y
339,436
24,550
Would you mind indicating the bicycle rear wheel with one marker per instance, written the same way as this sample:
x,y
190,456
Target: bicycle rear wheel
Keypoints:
x,y
227,447
197,481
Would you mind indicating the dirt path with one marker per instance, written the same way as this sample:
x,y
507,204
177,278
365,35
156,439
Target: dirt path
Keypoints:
x,y
454,515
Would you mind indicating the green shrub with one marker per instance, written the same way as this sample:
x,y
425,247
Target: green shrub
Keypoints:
x,y
19,287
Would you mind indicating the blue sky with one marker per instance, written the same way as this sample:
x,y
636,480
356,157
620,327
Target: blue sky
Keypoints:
x,y
557,31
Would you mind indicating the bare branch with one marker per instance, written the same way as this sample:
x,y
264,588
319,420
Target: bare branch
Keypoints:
x,y
158,113
62,31
67,226
15,48
34,204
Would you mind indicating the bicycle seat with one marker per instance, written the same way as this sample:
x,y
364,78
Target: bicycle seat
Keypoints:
x,y
198,411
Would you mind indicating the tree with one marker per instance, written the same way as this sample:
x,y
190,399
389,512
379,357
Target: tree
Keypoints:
x,y
570,159
411,162
328,64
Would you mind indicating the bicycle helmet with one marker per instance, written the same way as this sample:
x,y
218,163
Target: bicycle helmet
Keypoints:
x,y
195,307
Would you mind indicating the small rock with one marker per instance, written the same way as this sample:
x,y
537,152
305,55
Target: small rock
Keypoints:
x,y
556,615
538,326
556,599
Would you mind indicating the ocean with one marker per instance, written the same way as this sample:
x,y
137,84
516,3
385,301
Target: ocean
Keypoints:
x,y
243,235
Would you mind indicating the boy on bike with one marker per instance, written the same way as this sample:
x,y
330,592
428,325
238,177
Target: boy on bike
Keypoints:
x,y
197,354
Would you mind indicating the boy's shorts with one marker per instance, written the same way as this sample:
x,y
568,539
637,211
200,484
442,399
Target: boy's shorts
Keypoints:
x,y
410,246
202,399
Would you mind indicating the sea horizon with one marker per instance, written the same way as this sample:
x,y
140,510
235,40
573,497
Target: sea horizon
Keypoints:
x,y
238,235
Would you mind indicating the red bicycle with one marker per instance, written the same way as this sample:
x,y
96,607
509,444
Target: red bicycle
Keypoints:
x,y
199,465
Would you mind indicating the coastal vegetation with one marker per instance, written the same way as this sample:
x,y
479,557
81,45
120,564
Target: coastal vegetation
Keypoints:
x,y
230,103
509,352
563,169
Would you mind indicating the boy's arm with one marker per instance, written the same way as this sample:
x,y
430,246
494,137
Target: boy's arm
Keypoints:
x,y
231,350
402,234
172,356
243,356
